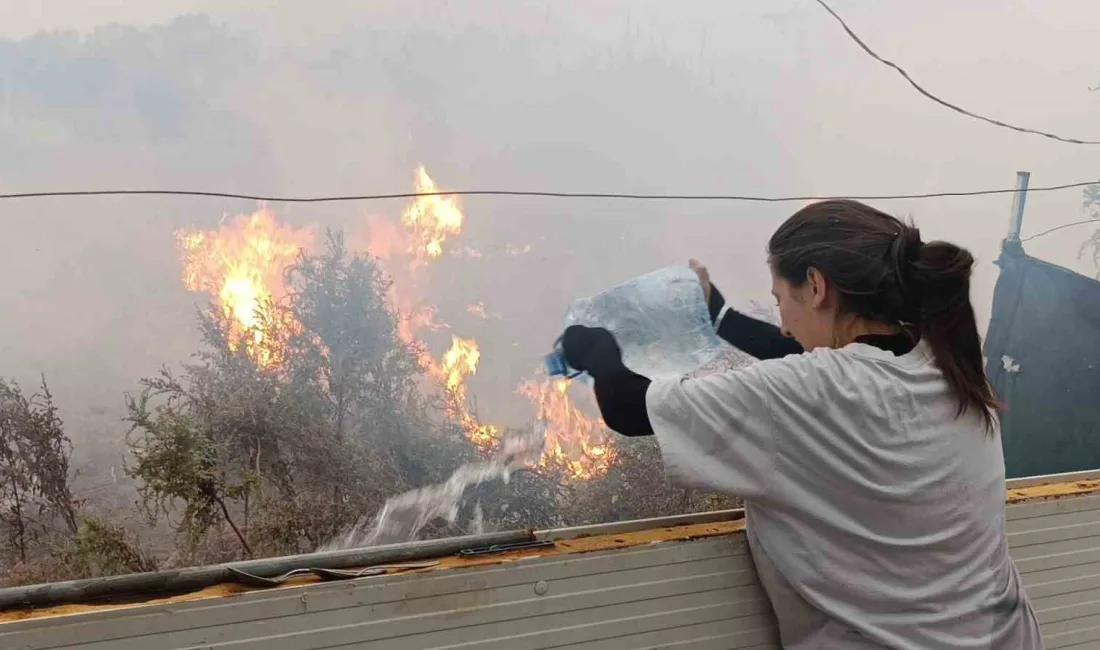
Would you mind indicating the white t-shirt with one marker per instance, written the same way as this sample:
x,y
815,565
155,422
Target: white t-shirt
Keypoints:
x,y
875,515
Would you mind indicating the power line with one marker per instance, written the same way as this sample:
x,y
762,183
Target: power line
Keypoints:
x,y
897,68
558,195
1061,227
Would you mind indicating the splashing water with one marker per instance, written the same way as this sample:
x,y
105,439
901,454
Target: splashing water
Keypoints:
x,y
403,516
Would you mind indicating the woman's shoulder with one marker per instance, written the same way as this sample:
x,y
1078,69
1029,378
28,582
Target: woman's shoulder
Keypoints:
x,y
794,377
826,373
842,360
817,362
809,377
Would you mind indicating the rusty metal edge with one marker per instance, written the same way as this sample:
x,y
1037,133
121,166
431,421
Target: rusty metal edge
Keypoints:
x,y
196,578
1048,479
634,525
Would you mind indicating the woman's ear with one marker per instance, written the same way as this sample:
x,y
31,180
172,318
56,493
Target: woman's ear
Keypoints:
x,y
817,287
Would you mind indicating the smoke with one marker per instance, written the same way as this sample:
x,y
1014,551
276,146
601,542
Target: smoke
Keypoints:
x,y
605,95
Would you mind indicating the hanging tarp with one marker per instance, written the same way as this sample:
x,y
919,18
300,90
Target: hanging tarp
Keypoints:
x,y
1043,351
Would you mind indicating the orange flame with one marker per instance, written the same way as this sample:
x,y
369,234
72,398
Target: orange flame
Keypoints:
x,y
430,219
578,444
575,442
458,363
428,222
454,367
241,264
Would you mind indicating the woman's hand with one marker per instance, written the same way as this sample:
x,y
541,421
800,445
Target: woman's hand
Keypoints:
x,y
704,277
590,349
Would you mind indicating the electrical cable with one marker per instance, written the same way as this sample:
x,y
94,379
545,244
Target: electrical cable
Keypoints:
x,y
521,193
1061,227
958,109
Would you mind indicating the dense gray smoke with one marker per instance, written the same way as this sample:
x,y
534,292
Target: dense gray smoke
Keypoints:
x,y
611,95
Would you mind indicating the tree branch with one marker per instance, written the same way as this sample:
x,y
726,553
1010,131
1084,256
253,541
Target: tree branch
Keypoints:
x,y
229,520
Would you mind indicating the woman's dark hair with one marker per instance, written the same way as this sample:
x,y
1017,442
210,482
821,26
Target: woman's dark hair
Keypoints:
x,y
882,271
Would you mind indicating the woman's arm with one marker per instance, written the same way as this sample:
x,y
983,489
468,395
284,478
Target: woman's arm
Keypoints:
x,y
620,392
754,337
715,432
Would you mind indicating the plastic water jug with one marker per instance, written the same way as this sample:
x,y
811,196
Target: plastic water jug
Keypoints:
x,y
660,321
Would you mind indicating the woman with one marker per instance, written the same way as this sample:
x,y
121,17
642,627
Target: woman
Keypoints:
x,y
870,467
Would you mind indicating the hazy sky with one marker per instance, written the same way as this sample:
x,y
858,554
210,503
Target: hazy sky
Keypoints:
x,y
766,97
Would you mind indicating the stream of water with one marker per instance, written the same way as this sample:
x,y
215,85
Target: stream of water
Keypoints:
x,y
402,517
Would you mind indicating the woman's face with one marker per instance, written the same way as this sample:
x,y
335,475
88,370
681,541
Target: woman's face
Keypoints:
x,y
804,312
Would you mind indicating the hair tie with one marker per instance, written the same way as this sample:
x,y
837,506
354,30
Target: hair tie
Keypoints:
x,y
904,252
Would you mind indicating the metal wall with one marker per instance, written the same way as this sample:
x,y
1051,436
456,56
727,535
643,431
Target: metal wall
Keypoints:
x,y
1056,545
695,594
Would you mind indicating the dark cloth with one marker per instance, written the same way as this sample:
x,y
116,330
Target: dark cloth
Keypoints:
x,y
763,340
756,338
1045,328
620,392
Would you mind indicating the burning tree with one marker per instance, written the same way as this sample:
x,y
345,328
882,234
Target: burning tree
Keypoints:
x,y
241,265
315,396
349,350
288,442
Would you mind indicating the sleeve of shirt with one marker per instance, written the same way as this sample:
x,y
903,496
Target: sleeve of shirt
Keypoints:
x,y
752,336
716,432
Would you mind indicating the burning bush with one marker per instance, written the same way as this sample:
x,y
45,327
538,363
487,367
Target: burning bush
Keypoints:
x,y
287,452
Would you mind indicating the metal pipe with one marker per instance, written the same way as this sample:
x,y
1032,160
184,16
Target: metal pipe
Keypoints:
x,y
1019,198
195,578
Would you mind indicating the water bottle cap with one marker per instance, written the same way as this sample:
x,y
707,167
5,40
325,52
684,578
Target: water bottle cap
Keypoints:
x,y
555,364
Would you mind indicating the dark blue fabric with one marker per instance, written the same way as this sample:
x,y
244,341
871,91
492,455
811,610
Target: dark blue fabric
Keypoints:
x,y
1046,321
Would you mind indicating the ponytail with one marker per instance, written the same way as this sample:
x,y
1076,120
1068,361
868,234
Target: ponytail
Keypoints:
x,y
937,280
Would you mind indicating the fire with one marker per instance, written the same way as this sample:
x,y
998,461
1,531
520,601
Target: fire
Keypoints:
x,y
385,238
430,219
456,365
575,442
412,320
428,223
241,264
